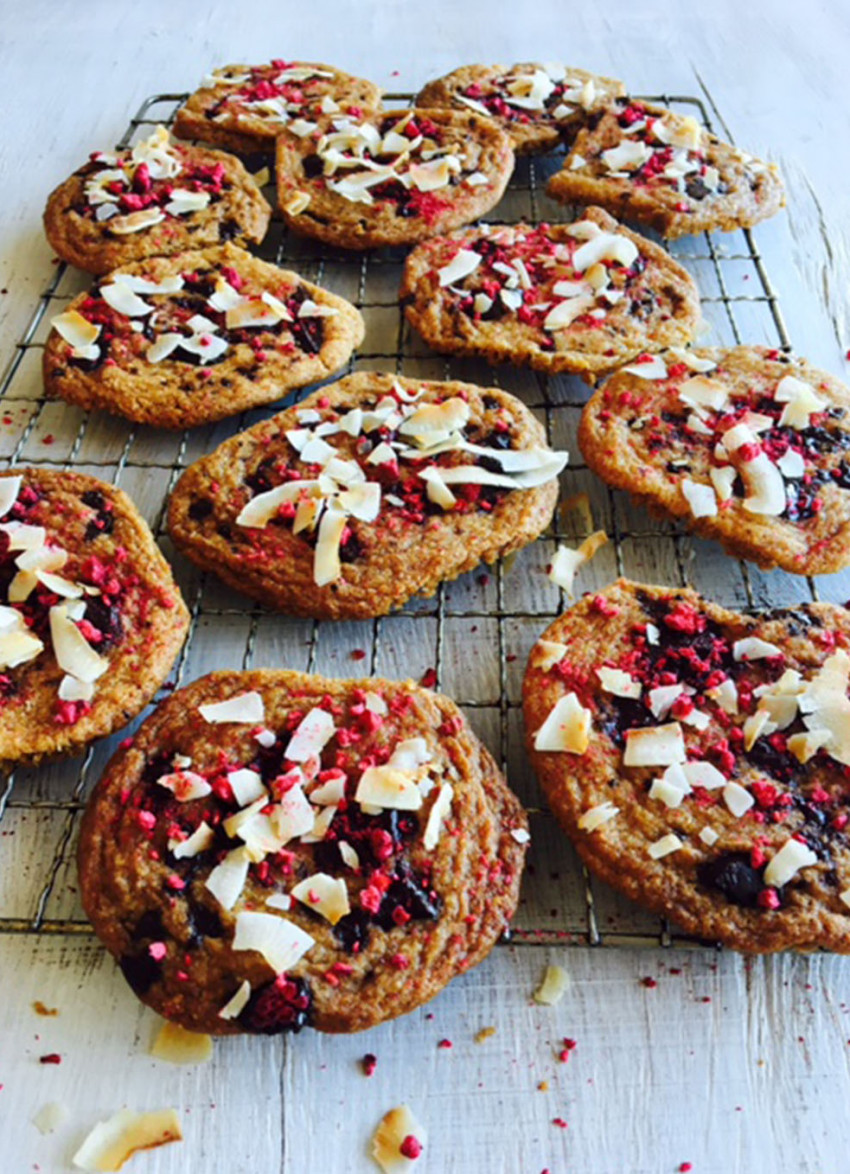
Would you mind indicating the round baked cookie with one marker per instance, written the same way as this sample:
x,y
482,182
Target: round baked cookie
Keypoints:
x,y
244,108
368,492
90,620
697,758
153,199
748,446
392,179
276,850
583,297
663,169
189,339
538,105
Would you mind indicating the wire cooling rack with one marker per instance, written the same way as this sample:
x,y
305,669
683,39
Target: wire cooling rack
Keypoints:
x,y
475,633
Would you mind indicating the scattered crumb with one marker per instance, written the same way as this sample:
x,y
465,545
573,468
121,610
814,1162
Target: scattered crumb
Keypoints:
x,y
41,1009
50,1117
484,1033
560,1122
369,1063
445,1043
543,1086
553,986
50,1058
176,1045
648,981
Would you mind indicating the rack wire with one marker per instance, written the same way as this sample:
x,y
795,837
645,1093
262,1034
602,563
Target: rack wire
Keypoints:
x,y
474,633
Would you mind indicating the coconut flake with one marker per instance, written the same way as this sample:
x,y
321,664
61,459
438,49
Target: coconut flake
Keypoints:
x,y
663,847
246,785
389,1137
387,787
440,809
737,798
323,894
227,879
312,734
49,1117
18,646
124,300
246,707
787,862
293,815
701,498
662,697
800,401
596,816
765,486
185,785
464,262
704,774
136,221
281,942
654,745
553,986
566,561
547,653
754,648
73,652
79,333
653,368
201,839
723,479
234,1007
567,728
619,683
606,246
176,1045
111,1143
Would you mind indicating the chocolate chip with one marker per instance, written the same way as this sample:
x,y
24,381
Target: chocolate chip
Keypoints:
x,y
201,508
140,970
733,876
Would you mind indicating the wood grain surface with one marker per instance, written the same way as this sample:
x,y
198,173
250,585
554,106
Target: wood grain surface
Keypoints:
x,y
730,1064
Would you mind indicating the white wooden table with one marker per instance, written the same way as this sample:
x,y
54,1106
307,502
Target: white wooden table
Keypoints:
x,y
727,1063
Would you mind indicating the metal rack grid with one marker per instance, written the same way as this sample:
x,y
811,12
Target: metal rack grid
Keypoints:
x,y
475,633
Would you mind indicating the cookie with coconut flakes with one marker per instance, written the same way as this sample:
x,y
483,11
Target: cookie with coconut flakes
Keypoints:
x,y
392,179
538,105
185,340
662,169
90,619
697,759
748,446
244,108
276,850
368,492
583,297
156,198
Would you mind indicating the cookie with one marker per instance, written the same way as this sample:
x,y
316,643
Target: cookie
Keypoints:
x,y
276,850
748,446
392,179
368,492
154,199
662,169
538,105
583,297
244,108
90,621
189,339
697,758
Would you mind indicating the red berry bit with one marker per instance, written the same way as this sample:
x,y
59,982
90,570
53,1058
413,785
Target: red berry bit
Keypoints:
x,y
369,1063
284,1005
411,1147
50,1058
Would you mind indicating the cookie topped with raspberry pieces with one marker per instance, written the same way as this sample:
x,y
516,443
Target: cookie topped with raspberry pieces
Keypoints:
x,y
392,179
583,297
91,620
153,199
277,850
697,758
189,339
748,446
244,108
663,169
539,105
368,492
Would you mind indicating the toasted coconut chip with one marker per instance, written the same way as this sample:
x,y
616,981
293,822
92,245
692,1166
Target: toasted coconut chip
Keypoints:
x,y
185,785
349,855
765,486
183,202
652,367
567,728
388,1138
79,333
436,488
693,361
49,1117
327,567
234,824
136,221
546,654
440,809
163,346
281,942
701,499
323,894
73,652
806,745
661,699
312,734
737,798
668,792
227,879
754,648
262,508
234,1007
654,746
112,1142
362,501
246,707
10,487
703,774
449,416
176,1045
70,689
293,815
553,986
330,792
626,156
566,561
787,862
619,683
18,646
386,787
124,300
321,823
723,478
663,847
800,401
200,840
246,785
607,246
410,754
596,816
565,313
